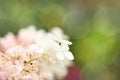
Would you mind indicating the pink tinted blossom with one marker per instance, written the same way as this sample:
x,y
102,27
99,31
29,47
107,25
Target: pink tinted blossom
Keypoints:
x,y
8,41
3,74
34,55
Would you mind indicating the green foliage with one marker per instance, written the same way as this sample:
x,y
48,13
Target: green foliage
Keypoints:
x,y
52,15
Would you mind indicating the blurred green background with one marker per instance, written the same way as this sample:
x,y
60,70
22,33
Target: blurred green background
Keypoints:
x,y
93,26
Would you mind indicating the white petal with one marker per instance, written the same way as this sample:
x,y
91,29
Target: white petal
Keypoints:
x,y
60,56
33,47
56,47
64,47
66,42
52,60
69,55
53,37
26,77
40,50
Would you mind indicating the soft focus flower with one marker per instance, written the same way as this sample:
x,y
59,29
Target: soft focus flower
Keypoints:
x,y
8,41
34,55
63,51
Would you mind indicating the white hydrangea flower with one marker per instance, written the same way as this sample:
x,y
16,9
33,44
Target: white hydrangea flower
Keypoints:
x,y
64,48
35,55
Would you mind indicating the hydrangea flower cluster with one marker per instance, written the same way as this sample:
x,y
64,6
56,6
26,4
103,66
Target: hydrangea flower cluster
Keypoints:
x,y
34,55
